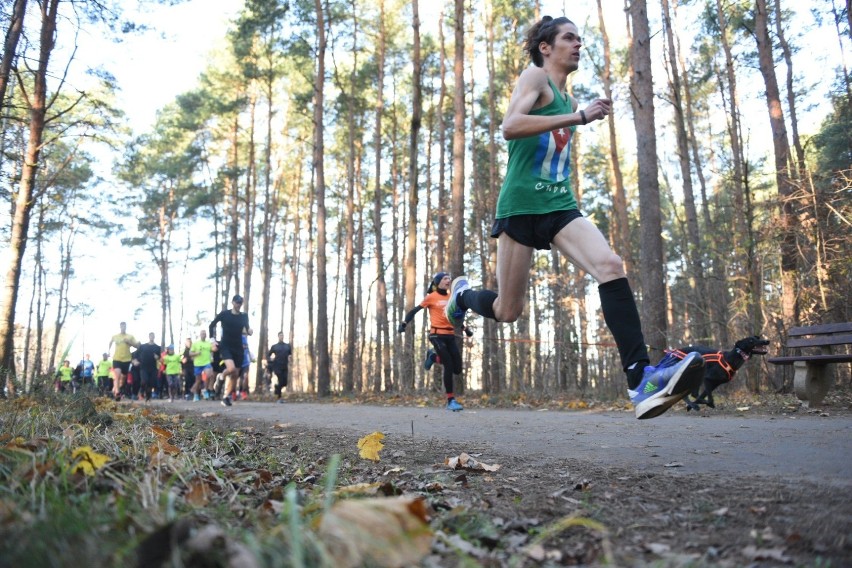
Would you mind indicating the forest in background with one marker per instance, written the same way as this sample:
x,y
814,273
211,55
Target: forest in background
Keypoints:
x,y
338,154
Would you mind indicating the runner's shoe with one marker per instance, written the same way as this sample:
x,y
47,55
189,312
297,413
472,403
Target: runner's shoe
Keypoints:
x,y
244,395
226,401
454,314
666,383
196,398
454,405
430,359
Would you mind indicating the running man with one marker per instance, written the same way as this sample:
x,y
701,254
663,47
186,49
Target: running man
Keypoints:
x,y
201,353
248,359
88,372
121,358
536,208
442,334
278,361
173,372
102,375
148,355
235,324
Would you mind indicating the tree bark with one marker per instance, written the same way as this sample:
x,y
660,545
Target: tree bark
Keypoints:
x,y
458,224
383,356
351,341
410,276
791,92
699,329
789,259
10,45
642,100
322,347
24,199
621,220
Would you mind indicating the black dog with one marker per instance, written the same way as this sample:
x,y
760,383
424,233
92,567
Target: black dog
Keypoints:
x,y
720,366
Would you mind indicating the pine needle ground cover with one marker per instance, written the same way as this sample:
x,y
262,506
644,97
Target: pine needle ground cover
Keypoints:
x,y
88,482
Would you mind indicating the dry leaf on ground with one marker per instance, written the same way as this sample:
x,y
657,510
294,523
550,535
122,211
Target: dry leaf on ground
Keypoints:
x,y
88,460
464,461
370,446
386,532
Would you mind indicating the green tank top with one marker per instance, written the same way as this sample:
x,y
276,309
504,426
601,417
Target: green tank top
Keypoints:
x,y
538,172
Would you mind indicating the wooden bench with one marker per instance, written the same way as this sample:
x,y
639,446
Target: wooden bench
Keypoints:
x,y
812,378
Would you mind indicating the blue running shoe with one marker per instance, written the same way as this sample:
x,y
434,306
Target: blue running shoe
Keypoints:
x,y
454,314
430,359
666,383
454,405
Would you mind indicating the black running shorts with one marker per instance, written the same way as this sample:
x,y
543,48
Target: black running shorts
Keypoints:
x,y
536,231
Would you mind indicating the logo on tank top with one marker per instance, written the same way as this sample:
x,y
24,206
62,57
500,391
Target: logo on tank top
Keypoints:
x,y
552,157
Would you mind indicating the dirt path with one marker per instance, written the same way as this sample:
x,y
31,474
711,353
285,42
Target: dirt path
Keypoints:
x,y
809,446
722,489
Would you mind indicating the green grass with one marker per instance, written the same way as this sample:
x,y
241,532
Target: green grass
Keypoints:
x,y
52,515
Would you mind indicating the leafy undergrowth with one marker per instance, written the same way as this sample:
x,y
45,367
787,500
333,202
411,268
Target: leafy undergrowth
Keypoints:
x,y
94,483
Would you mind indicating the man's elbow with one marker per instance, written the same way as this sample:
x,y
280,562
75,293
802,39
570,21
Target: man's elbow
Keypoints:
x,y
509,132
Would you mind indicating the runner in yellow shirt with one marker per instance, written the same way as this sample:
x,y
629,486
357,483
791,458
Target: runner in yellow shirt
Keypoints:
x,y
121,358
64,374
103,370
173,371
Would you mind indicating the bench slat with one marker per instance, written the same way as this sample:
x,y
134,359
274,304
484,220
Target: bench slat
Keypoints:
x,y
844,327
840,339
790,359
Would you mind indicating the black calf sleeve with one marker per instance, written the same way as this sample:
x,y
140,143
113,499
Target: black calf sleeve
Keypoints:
x,y
622,318
479,301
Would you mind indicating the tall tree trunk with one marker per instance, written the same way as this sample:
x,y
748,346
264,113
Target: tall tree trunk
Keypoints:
x,y
383,356
322,347
698,285
642,100
789,262
740,233
351,341
410,277
440,230
232,274
457,206
791,92
271,205
250,205
10,45
487,200
66,245
620,217
717,296
24,198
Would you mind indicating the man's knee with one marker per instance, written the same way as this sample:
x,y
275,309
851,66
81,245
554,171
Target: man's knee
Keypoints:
x,y
508,313
611,268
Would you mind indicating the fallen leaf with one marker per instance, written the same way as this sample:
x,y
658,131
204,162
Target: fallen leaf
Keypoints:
x,y
161,433
776,554
370,446
89,460
162,446
464,461
360,488
198,493
673,464
387,532
721,512
657,548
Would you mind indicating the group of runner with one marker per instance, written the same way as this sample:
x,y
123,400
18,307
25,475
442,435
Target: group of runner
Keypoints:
x,y
206,369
